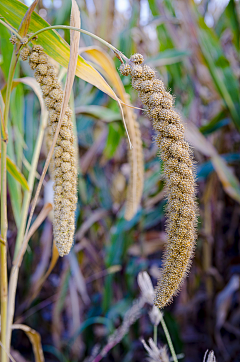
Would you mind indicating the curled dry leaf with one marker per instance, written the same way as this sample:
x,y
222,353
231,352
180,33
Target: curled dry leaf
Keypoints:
x,y
35,339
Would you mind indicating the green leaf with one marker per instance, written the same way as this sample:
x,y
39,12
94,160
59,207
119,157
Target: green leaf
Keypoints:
x,y
99,112
6,49
13,185
115,133
232,15
17,115
167,57
218,66
16,198
54,45
14,171
206,168
216,122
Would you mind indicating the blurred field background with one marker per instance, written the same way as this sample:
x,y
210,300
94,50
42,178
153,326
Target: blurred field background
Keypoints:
x,y
194,46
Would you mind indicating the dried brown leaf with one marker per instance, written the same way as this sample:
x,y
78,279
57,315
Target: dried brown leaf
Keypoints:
x,y
35,339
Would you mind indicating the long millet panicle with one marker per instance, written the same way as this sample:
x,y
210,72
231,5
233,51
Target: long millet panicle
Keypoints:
x,y
64,158
179,176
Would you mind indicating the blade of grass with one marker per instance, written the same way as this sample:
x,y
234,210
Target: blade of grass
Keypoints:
x,y
223,78
16,173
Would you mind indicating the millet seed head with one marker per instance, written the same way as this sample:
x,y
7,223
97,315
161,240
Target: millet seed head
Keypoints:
x,y
24,53
179,177
63,165
13,39
125,69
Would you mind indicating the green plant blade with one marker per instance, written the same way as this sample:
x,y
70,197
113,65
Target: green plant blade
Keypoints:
x,y
167,57
99,112
221,73
14,171
6,49
115,133
232,15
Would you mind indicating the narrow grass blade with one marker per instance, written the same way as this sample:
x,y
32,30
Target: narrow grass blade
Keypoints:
x,y
218,66
16,173
167,57
99,112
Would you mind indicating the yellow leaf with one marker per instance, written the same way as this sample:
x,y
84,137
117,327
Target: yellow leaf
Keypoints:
x,y
135,155
35,339
100,57
54,45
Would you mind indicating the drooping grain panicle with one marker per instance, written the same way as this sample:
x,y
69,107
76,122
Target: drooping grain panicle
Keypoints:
x,y
64,159
135,159
179,176
48,131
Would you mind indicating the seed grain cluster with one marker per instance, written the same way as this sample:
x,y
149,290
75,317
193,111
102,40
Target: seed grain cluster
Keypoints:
x,y
63,165
179,175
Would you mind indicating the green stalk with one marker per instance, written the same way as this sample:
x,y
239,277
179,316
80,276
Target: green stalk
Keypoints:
x,y
21,230
81,31
155,334
11,29
170,345
4,221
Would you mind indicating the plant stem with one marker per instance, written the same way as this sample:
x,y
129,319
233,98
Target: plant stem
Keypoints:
x,y
4,222
11,29
155,334
24,213
81,31
169,340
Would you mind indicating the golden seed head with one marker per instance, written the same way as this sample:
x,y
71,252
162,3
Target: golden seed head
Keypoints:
x,y
147,72
37,48
147,86
13,39
43,58
42,69
34,57
137,58
179,176
136,71
125,69
63,165
24,53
